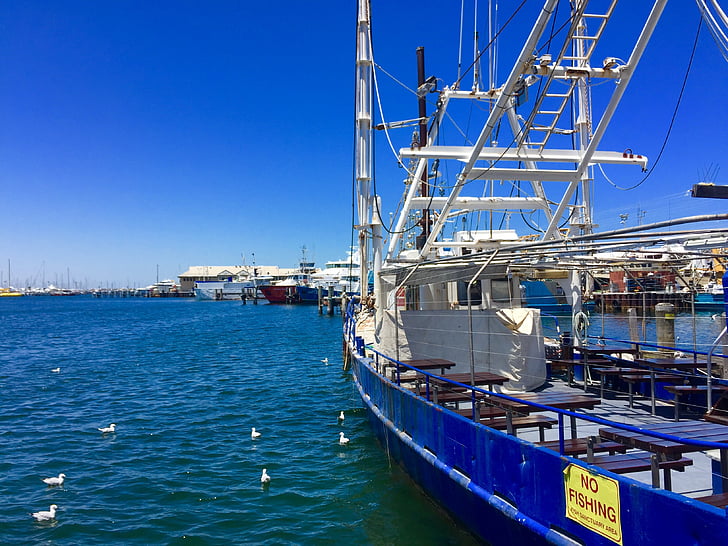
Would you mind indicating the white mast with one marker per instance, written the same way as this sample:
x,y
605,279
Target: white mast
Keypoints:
x,y
363,155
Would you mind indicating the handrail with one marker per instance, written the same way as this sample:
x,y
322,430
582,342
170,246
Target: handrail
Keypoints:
x,y
349,322
555,319
656,346
586,417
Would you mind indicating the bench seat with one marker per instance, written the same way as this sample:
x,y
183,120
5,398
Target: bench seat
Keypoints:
x,y
659,378
719,499
641,462
485,412
540,421
646,378
568,365
679,390
578,446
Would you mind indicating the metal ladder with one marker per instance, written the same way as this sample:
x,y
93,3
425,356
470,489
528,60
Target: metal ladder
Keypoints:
x,y
551,103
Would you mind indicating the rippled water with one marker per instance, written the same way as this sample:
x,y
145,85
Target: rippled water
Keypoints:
x,y
185,381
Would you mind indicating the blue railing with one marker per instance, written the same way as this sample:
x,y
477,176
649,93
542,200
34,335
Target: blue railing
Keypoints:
x,y
350,321
560,412
641,344
548,316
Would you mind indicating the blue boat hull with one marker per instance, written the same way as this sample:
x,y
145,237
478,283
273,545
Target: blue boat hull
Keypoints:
x,y
307,294
508,491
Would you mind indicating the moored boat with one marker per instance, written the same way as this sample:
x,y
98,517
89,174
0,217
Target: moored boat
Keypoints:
x,y
340,275
295,287
450,362
10,293
224,290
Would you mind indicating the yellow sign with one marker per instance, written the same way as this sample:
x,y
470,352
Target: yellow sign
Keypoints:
x,y
593,501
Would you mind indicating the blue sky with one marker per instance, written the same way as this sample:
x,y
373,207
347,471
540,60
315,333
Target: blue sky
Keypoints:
x,y
143,134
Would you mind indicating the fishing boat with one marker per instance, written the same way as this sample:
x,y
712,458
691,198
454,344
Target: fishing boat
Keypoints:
x,y
224,290
295,288
448,360
711,299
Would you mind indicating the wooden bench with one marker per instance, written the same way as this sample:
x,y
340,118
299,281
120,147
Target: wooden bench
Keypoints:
x,y
719,499
441,396
579,446
679,390
485,412
614,371
529,421
569,364
632,380
641,462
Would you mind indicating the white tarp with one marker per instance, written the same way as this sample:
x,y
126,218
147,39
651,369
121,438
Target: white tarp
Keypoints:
x,y
508,342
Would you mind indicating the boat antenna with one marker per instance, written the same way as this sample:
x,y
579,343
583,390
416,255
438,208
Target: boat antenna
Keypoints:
x,y
476,52
460,43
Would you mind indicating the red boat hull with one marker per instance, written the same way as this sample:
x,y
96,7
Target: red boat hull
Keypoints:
x,y
280,294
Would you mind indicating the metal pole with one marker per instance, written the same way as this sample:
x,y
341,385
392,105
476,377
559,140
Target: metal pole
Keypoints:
x,y
470,316
422,106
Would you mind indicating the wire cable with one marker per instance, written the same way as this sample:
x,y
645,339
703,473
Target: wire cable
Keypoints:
x,y
672,120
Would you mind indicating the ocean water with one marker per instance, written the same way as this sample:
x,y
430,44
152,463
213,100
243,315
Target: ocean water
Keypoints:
x,y
185,381
696,333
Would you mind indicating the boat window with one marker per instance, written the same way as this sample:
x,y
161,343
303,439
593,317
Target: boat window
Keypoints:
x,y
476,293
413,298
500,290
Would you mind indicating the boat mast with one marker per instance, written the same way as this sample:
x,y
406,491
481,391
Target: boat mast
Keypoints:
x,y
368,220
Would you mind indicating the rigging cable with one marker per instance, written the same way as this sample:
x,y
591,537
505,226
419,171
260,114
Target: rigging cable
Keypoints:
x,y
456,85
672,120
719,35
460,45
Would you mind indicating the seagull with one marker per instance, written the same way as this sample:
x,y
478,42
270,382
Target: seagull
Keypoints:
x,y
325,360
341,416
713,317
264,477
110,428
254,434
343,440
45,515
56,370
55,481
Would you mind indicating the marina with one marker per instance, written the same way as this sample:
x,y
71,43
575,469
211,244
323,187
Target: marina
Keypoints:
x,y
509,328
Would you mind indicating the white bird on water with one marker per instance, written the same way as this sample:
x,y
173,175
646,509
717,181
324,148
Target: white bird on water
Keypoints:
x,y
56,370
45,515
265,478
341,416
343,440
254,433
325,360
55,481
110,428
